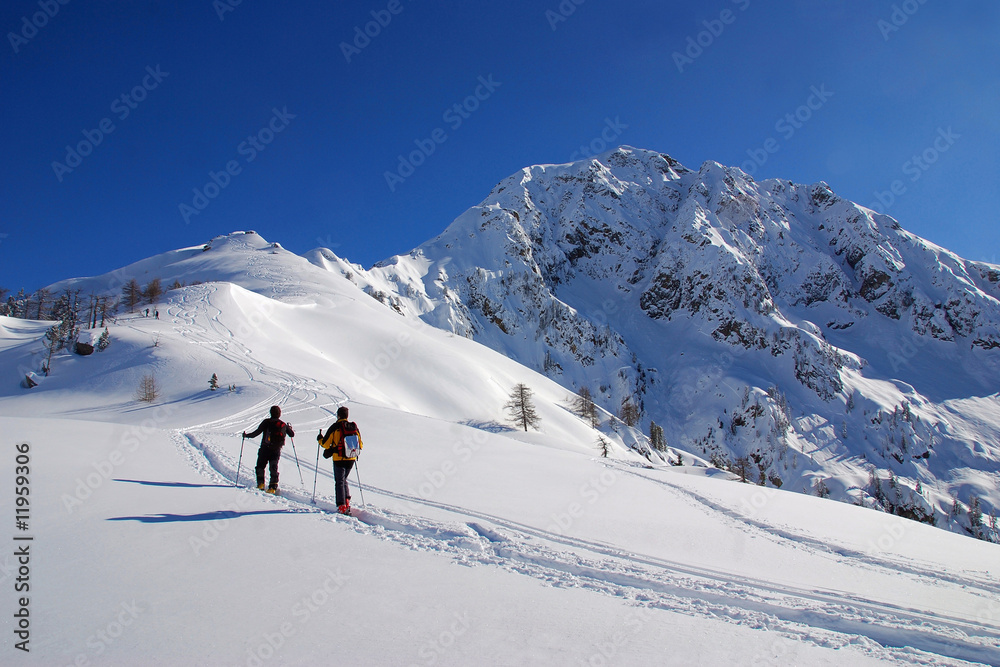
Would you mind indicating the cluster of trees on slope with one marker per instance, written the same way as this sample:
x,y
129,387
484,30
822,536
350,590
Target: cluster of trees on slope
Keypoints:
x,y
759,466
522,413
43,305
72,312
892,496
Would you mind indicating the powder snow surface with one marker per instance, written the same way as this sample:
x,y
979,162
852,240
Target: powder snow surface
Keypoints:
x,y
478,544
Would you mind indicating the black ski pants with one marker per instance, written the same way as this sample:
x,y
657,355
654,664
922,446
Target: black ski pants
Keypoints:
x,y
267,456
341,471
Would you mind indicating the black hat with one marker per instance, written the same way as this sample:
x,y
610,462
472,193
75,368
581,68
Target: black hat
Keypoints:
x,y
275,411
342,412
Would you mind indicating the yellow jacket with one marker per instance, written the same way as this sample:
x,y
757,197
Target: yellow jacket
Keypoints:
x,y
335,438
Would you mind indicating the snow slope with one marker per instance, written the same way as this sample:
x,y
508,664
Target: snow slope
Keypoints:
x,y
479,544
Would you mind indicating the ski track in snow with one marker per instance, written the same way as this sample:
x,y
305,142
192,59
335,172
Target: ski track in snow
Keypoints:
x,y
825,618
287,388
800,539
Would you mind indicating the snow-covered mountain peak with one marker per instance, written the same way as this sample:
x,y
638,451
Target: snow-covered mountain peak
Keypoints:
x,y
690,293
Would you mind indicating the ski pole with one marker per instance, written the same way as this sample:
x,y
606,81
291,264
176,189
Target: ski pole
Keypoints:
x,y
244,439
296,455
316,471
357,469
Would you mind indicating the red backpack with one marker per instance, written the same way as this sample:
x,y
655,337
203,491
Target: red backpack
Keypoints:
x,y
274,433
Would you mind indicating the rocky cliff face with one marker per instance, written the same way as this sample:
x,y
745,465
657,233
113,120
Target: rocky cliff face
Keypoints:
x,y
762,322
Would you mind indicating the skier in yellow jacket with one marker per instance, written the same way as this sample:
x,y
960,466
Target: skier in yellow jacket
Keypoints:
x,y
337,442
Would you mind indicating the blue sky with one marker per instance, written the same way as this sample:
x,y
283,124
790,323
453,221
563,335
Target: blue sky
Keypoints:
x,y
209,85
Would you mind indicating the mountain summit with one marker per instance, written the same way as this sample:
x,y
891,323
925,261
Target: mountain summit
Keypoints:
x,y
778,329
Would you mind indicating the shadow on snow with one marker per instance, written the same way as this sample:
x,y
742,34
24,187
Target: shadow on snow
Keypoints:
x,y
178,485
203,516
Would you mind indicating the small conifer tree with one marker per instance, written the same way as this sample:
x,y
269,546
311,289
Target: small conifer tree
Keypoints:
x,y
975,513
147,391
104,341
131,294
630,413
583,405
53,342
153,291
742,468
520,408
656,437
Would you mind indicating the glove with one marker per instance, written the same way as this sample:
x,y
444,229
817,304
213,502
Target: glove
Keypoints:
x,y
244,434
328,452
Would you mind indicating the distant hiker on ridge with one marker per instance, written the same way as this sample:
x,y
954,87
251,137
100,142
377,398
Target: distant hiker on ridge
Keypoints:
x,y
342,443
274,431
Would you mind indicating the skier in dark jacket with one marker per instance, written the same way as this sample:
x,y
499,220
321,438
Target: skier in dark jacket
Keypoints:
x,y
274,431
333,443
